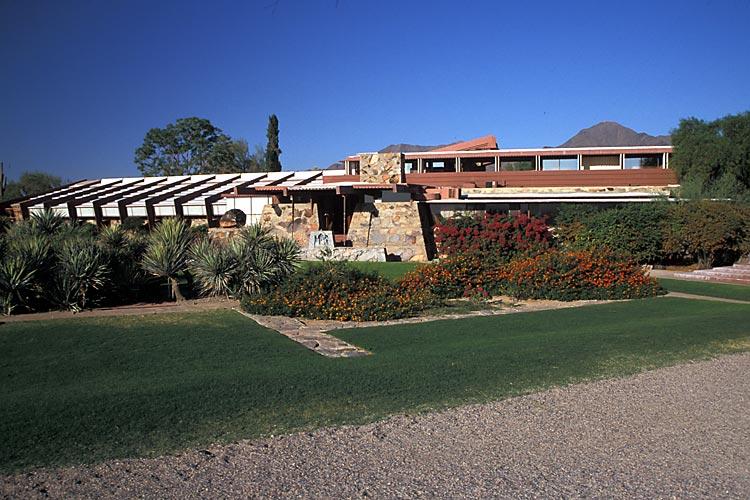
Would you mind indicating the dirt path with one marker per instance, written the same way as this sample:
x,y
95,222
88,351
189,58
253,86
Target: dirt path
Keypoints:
x,y
682,431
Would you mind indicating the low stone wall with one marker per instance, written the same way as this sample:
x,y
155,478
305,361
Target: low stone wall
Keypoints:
x,y
398,227
345,253
298,225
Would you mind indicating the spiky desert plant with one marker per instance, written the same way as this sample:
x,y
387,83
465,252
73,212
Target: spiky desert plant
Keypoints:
x,y
214,268
81,271
167,252
46,221
16,282
262,260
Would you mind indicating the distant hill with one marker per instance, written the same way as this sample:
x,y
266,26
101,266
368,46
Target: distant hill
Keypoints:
x,y
410,148
613,134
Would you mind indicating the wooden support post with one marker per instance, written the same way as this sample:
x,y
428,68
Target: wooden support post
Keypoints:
x,y
458,163
580,162
622,161
497,164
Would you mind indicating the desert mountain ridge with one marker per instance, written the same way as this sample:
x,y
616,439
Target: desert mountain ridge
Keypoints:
x,y
606,133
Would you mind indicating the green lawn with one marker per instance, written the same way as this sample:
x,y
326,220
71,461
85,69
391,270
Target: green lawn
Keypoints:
x,y
726,291
91,389
390,270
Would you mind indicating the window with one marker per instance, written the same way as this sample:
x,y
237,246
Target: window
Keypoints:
x,y
515,164
560,163
643,161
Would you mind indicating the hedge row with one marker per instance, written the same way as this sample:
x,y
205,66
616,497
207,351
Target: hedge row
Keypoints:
x,y
705,232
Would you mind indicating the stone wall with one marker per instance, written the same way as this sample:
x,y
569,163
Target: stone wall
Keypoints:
x,y
345,253
381,168
400,228
283,223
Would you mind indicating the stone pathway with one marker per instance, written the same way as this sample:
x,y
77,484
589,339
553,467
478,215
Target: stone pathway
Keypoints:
x,y
311,337
312,333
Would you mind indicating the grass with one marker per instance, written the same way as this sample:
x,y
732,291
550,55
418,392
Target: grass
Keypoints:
x,y
85,390
723,290
390,270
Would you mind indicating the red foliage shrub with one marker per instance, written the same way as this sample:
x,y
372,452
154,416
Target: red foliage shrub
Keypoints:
x,y
497,237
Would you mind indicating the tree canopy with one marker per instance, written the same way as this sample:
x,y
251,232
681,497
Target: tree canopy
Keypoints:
x,y
273,151
712,159
31,183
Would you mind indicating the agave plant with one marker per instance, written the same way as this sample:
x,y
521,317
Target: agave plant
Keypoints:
x,y
16,282
167,252
81,271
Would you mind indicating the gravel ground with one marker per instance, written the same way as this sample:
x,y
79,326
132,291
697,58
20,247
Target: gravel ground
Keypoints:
x,y
674,432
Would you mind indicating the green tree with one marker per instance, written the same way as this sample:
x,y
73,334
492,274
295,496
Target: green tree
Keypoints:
x,y
31,183
273,151
188,146
235,156
712,159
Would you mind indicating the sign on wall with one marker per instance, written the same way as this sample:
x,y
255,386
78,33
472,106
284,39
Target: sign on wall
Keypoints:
x,y
321,239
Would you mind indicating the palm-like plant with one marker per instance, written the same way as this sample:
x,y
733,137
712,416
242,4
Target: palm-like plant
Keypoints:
x,y
47,221
251,261
167,252
213,267
81,269
16,282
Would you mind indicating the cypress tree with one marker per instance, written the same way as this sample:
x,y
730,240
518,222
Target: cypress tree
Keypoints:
x,y
273,151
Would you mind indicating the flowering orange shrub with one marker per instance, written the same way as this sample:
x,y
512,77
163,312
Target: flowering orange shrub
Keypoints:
x,y
565,275
339,292
460,275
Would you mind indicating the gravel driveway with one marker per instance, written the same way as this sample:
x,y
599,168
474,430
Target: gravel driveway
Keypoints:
x,y
680,431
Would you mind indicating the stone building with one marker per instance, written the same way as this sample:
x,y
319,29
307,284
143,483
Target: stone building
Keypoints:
x,y
380,205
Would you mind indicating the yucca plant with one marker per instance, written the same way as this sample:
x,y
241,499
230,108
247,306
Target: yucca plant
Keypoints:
x,y
46,221
214,267
124,251
167,252
252,261
16,282
80,273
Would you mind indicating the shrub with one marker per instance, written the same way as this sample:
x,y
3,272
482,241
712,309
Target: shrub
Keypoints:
x,y
452,277
251,262
81,271
497,237
166,254
16,282
134,224
635,231
337,291
581,275
123,251
708,232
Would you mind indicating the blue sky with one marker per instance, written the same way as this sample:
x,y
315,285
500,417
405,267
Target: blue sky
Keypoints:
x,y
82,82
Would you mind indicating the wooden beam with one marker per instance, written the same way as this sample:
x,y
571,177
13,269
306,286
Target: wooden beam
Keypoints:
x,y
73,203
122,205
25,204
151,201
198,192
209,201
100,202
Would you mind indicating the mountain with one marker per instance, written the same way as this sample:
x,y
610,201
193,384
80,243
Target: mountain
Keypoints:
x,y
410,148
613,134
